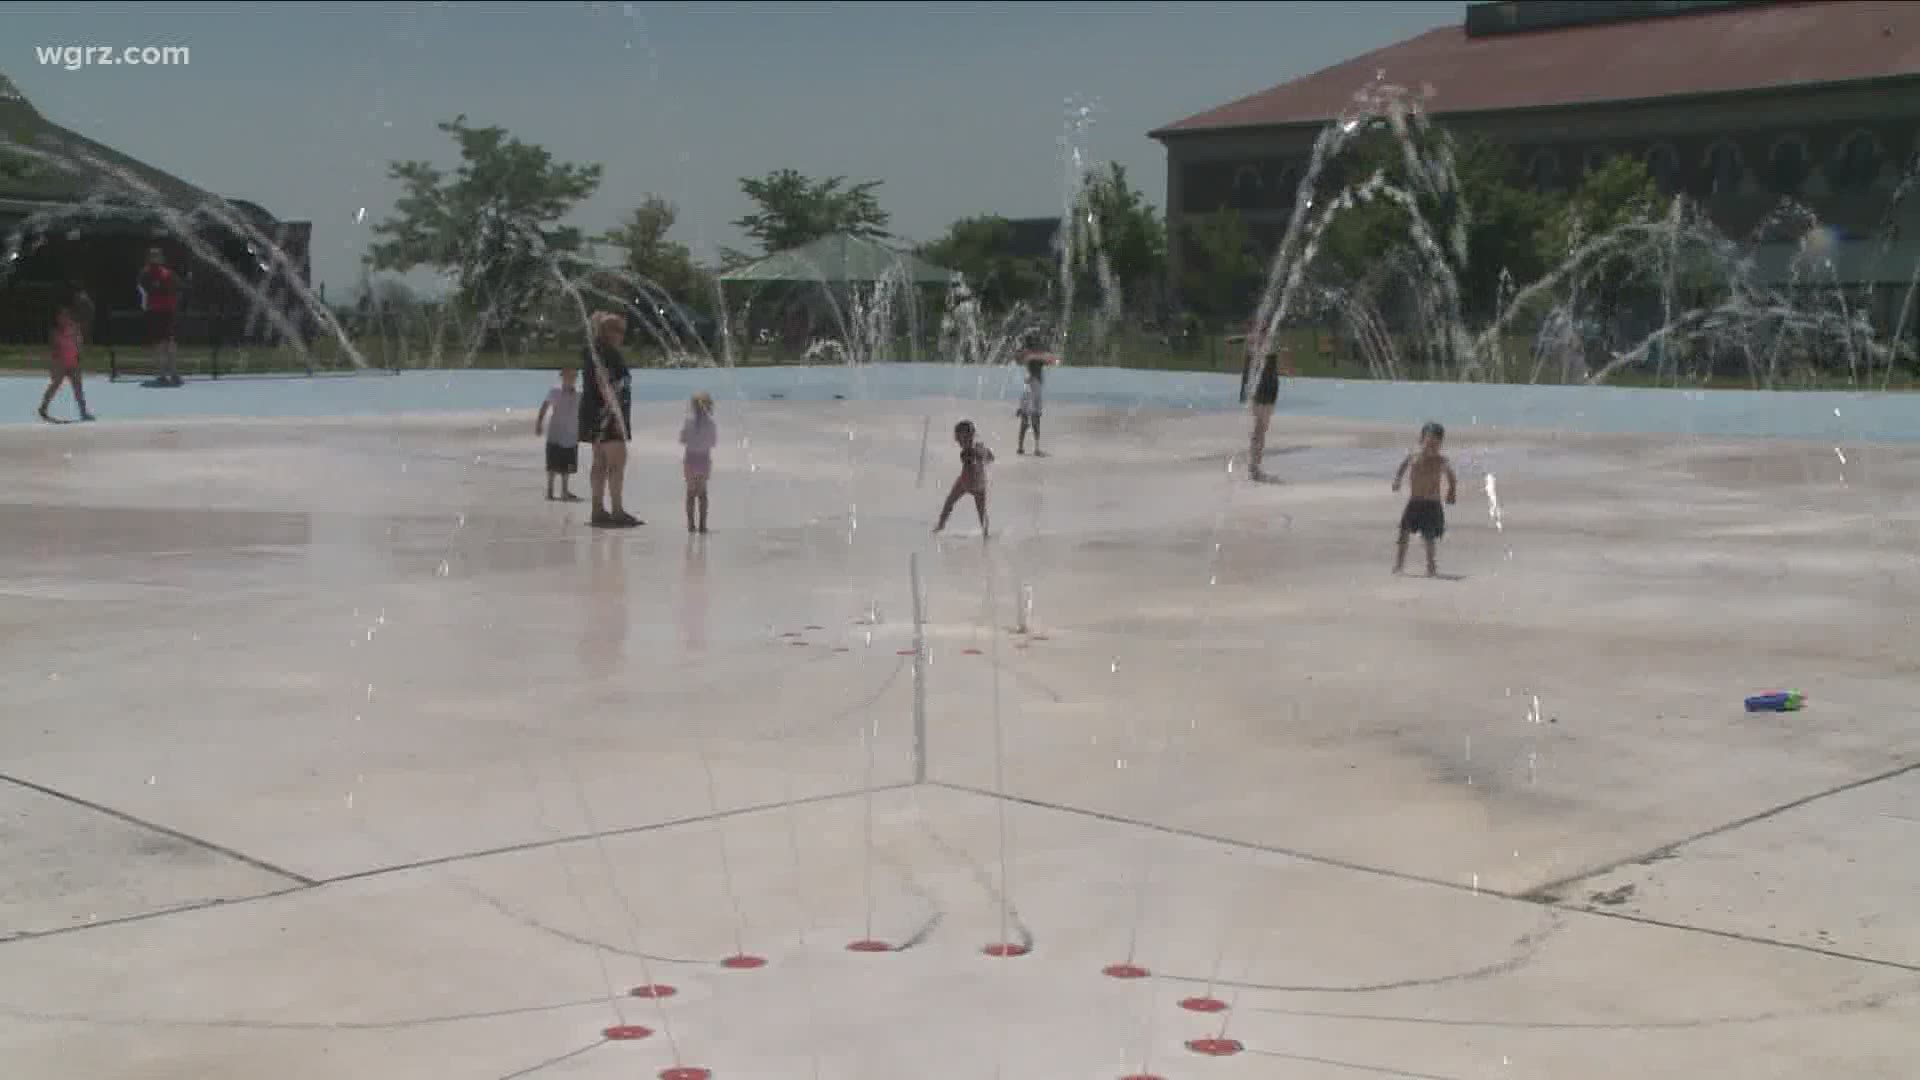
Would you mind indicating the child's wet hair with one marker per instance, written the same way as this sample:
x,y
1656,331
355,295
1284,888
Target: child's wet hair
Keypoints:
x,y
963,430
1434,429
702,402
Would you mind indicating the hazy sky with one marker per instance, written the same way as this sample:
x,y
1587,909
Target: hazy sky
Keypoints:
x,y
957,107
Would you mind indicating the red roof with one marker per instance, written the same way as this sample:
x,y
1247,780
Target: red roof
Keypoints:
x,y
1710,52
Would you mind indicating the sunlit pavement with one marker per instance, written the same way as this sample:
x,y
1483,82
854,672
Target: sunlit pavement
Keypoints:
x,y
332,749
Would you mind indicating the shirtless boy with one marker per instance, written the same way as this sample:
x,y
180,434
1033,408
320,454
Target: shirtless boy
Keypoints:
x,y
1425,468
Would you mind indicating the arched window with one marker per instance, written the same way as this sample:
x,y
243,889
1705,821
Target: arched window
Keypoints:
x,y
1543,170
1282,185
1663,164
1857,165
1725,168
1246,187
1788,163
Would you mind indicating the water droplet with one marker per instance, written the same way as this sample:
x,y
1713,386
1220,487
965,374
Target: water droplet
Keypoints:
x,y
53,676
360,215
152,780
349,800
1837,453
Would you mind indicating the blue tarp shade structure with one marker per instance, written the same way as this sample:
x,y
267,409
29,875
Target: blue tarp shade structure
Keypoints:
x,y
839,259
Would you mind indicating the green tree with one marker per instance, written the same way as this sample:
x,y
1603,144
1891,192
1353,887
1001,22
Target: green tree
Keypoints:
x,y
1222,266
493,225
1504,222
646,252
982,249
1132,234
1618,194
794,209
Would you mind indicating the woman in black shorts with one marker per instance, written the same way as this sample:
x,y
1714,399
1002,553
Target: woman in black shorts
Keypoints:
x,y
606,419
1266,394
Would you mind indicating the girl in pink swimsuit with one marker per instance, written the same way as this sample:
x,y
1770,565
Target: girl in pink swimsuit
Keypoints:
x,y
64,364
699,435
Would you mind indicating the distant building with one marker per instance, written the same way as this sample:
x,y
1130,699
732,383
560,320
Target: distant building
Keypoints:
x,y
1738,104
72,210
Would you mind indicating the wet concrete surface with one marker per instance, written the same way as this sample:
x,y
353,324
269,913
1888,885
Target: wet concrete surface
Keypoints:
x,y
333,749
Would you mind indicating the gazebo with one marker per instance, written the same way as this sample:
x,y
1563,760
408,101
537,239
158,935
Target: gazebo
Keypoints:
x,y
842,279
839,259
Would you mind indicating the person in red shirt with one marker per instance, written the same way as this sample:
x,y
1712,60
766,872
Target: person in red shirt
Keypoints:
x,y
160,299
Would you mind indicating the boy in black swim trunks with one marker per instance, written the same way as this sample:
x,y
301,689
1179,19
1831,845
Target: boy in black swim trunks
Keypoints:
x,y
559,420
1424,515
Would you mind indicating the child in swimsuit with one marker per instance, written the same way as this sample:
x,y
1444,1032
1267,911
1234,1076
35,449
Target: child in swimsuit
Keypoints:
x,y
974,459
699,435
64,363
1031,403
1425,468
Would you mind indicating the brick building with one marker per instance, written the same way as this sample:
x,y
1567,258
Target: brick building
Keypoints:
x,y
74,210
1738,104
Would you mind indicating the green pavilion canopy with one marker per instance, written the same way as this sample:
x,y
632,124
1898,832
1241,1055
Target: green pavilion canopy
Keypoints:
x,y
839,259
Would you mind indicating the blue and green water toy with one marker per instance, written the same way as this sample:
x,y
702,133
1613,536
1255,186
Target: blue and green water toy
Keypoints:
x,y
1777,701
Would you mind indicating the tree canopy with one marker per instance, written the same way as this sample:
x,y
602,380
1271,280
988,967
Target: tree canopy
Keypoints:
x,y
793,209
982,249
1132,234
646,252
493,225
1502,223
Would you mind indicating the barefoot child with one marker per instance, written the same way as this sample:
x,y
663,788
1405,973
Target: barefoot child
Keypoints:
x,y
1424,515
974,459
1266,395
1030,404
559,418
699,435
64,364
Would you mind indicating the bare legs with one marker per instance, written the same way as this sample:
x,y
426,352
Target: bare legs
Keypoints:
x,y
1029,423
608,480
1400,556
1257,446
953,498
697,505
53,387
169,363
